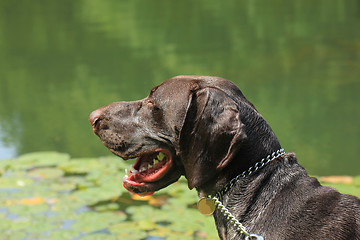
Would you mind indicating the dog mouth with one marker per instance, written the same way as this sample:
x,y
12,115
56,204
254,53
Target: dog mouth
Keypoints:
x,y
148,172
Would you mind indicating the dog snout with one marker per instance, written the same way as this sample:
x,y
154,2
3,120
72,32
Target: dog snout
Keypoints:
x,y
95,118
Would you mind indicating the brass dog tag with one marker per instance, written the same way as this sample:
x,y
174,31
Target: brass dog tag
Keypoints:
x,y
206,206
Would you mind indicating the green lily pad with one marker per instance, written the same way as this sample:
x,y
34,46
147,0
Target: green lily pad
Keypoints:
x,y
80,165
161,232
45,197
139,213
88,222
127,230
10,235
99,236
5,224
46,173
68,205
39,159
62,186
22,210
96,194
63,234
15,182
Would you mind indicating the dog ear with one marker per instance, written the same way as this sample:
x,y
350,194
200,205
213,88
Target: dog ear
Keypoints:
x,y
210,136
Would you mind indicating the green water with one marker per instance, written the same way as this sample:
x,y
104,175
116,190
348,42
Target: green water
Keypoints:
x,y
297,61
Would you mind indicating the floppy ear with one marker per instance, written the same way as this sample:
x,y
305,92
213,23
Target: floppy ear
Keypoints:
x,y
210,136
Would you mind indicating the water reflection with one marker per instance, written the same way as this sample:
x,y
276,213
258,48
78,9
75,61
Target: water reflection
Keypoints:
x,y
298,62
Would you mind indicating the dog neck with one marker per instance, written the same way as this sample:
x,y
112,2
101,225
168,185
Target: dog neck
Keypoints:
x,y
208,206
253,192
223,183
257,166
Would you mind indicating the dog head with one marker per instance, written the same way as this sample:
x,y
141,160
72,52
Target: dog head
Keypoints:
x,y
198,126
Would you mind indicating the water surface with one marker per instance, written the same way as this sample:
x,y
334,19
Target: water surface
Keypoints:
x,y
298,62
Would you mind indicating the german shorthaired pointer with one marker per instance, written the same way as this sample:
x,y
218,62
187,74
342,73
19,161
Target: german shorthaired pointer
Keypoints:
x,y
205,129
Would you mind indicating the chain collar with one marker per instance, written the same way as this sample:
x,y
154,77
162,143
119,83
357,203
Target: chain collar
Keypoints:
x,y
260,164
207,205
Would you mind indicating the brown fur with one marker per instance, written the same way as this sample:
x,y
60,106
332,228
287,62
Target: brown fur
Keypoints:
x,y
213,134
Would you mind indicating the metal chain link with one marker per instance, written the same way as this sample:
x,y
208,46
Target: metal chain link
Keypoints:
x,y
217,197
260,164
230,217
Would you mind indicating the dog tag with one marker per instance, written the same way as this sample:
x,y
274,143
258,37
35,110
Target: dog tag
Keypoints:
x,y
206,206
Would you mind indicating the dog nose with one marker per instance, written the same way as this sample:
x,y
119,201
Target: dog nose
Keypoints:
x,y
95,117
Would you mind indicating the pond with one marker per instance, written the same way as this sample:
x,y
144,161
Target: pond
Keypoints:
x,y
298,62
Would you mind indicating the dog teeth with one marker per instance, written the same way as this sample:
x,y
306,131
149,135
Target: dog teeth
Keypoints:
x,y
161,156
145,166
130,172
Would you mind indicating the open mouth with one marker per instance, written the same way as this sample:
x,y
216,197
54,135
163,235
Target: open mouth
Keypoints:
x,y
147,171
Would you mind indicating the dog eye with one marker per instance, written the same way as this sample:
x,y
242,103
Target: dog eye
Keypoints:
x,y
152,105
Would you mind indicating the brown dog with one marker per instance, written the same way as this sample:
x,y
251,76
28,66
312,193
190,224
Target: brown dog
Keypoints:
x,y
204,128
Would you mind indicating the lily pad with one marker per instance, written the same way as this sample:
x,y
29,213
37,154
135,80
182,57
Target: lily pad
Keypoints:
x,y
46,173
80,165
88,222
10,235
62,186
96,194
107,207
63,234
15,182
84,198
39,159
127,230
28,209
98,236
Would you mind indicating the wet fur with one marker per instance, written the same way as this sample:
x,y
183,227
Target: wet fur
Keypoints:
x,y
214,133
283,202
